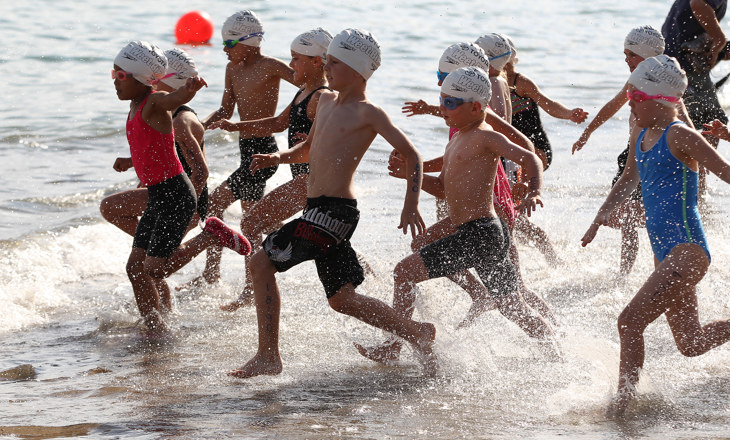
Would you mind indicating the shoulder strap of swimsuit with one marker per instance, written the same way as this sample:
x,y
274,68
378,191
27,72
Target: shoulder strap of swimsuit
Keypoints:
x,y
183,108
514,83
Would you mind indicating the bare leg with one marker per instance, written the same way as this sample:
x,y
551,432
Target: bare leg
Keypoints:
x,y
267,360
539,237
123,209
281,203
407,274
145,292
531,298
219,201
378,314
163,290
672,279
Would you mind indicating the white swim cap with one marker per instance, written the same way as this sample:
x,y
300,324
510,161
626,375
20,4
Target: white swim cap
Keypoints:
x,y
180,66
312,43
497,49
463,55
470,84
358,49
145,61
645,41
243,24
660,75
512,48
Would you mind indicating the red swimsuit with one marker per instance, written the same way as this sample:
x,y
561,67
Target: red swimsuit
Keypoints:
x,y
153,153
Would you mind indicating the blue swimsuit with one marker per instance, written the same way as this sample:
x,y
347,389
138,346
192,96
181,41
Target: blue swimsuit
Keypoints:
x,y
669,190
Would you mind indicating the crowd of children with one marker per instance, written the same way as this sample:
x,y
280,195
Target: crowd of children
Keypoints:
x,y
488,182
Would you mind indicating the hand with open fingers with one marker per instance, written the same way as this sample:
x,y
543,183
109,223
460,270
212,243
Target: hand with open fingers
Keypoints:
x,y
411,108
195,83
529,204
261,161
718,129
223,124
413,220
580,143
578,115
600,220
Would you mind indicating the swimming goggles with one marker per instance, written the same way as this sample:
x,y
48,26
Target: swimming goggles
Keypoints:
x,y
229,44
638,96
451,103
441,75
121,75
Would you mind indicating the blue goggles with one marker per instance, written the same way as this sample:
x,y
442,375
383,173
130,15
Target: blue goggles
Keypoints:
x,y
451,103
232,43
441,75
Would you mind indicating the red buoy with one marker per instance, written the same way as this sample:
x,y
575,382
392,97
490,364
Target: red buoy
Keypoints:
x,y
194,27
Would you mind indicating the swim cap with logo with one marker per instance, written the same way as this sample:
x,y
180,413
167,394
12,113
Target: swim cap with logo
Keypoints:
x,y
660,75
497,49
358,49
645,41
312,43
180,66
512,48
470,84
463,55
145,61
243,24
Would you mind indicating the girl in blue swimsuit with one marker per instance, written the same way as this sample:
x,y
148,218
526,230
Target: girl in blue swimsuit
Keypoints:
x,y
665,157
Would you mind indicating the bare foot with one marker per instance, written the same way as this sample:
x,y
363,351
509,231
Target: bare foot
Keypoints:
x,y
424,350
478,307
197,283
386,353
258,366
156,329
244,299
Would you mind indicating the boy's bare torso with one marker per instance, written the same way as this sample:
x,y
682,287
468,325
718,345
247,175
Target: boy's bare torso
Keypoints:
x,y
255,87
468,175
342,137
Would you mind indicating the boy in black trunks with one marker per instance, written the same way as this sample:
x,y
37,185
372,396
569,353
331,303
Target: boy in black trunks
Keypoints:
x,y
252,86
482,239
346,124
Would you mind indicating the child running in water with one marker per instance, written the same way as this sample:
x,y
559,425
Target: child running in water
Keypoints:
x,y
455,56
481,239
665,155
642,42
156,249
346,124
526,99
308,55
252,86
123,209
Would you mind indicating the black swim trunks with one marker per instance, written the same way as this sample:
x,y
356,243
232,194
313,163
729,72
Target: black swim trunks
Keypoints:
x,y
701,100
167,216
244,185
321,234
482,244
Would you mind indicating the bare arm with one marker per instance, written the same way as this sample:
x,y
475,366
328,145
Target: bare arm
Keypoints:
x,y
188,134
624,186
410,216
527,88
705,15
693,146
171,101
531,165
255,128
606,112
420,107
228,102
514,135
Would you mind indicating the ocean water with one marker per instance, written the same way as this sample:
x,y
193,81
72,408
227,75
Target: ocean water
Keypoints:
x,y
72,361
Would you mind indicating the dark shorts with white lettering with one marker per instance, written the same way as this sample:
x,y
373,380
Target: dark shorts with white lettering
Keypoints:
x,y
482,244
245,185
321,234
165,220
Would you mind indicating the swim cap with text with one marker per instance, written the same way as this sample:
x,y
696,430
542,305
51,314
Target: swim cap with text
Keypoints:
x,y
470,84
358,49
145,61
243,24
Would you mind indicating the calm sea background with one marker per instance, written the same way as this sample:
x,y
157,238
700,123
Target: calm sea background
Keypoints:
x,y
66,306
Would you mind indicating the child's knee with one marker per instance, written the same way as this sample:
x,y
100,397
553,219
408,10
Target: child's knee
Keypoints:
x,y
155,269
